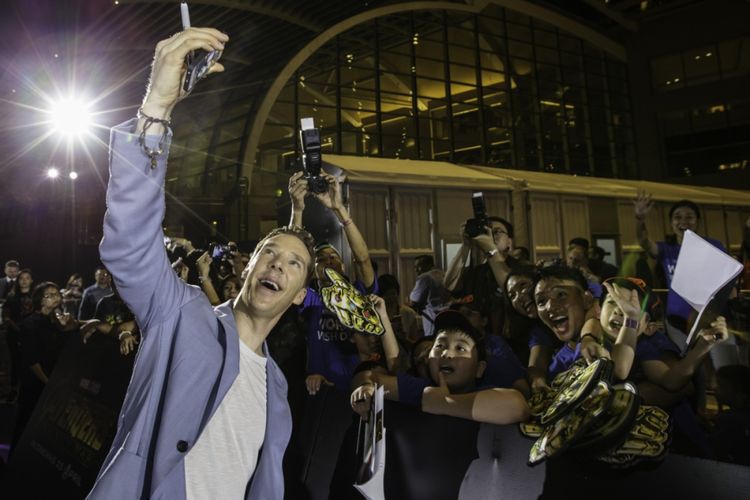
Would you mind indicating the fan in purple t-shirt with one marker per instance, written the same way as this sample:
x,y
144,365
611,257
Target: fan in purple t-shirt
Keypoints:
x,y
333,350
683,215
662,374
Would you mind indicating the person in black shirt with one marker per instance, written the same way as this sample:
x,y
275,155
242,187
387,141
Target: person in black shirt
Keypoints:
x,y
490,264
43,336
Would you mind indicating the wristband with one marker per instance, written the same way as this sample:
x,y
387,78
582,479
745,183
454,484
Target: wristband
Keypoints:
x,y
630,323
492,253
119,337
347,222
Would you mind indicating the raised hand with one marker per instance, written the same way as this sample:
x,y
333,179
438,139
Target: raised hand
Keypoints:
x,y
298,190
332,198
485,240
204,265
168,68
379,304
642,204
627,300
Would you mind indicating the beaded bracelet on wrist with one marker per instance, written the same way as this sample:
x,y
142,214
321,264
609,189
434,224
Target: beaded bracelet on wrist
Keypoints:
x,y
152,153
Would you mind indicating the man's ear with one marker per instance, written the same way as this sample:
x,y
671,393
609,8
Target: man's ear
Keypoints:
x,y
481,367
300,296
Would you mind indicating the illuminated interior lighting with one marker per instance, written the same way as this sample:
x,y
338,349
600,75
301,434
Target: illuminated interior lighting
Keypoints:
x,y
73,175
53,173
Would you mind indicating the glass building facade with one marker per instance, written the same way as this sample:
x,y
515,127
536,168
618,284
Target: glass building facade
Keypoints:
x,y
500,89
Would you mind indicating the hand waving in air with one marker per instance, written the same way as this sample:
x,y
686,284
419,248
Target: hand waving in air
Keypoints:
x,y
642,204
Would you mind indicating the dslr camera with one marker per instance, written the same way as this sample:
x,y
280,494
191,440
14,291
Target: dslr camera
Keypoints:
x,y
312,159
478,224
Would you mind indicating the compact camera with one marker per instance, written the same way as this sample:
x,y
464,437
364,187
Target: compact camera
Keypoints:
x,y
312,158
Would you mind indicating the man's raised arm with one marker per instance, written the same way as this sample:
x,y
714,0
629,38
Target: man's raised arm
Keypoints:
x,y
133,246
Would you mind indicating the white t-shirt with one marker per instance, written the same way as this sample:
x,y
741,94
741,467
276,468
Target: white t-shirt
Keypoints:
x,y
224,458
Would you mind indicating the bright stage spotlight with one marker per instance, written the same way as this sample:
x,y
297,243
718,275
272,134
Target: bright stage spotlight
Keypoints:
x,y
70,117
53,173
73,175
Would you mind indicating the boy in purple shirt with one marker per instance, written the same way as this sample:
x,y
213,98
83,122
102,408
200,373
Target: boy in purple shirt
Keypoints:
x,y
661,372
455,362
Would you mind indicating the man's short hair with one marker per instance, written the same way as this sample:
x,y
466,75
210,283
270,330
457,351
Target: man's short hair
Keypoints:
x,y
562,273
306,239
427,259
685,203
100,267
508,225
581,242
530,272
451,320
324,245
12,263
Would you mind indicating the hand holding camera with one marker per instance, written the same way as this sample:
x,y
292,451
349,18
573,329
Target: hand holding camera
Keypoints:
x,y
298,190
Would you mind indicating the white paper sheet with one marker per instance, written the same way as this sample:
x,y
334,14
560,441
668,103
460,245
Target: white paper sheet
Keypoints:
x,y
372,472
701,272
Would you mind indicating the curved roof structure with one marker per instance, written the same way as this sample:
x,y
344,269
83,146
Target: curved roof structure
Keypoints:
x,y
104,50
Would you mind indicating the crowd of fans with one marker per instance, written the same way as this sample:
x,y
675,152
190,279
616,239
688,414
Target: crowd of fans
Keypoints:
x,y
473,341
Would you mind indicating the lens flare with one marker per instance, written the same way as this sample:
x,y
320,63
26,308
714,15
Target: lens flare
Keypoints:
x,y
70,117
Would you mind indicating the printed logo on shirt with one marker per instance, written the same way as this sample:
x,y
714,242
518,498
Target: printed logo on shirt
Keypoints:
x,y
670,269
330,329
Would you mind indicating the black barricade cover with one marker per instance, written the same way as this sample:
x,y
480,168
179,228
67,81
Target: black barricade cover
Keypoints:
x,y
436,457
427,456
74,422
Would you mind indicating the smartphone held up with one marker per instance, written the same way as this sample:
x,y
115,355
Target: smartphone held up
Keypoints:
x,y
199,61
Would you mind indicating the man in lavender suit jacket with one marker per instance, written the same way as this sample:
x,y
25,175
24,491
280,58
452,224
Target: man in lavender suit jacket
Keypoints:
x,y
205,415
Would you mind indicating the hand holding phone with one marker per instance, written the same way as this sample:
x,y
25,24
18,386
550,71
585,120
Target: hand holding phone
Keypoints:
x,y
198,62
